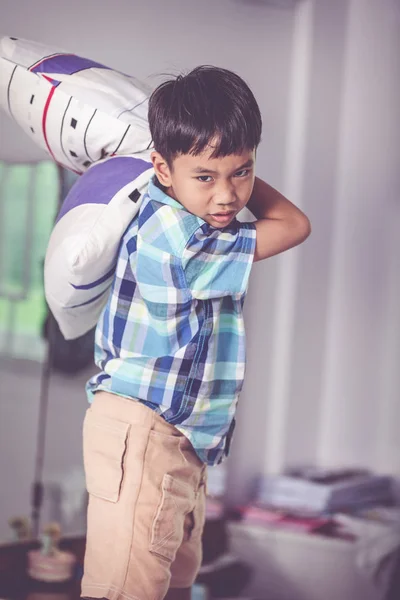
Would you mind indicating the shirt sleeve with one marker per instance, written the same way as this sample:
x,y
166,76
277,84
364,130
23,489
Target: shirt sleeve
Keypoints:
x,y
217,262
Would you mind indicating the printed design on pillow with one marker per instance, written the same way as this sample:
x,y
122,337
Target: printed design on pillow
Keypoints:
x,y
101,183
77,109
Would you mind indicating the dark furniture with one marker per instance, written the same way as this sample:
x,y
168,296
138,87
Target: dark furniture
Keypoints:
x,y
16,585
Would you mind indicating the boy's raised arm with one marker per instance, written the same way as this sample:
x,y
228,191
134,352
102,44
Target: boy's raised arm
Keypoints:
x,y
280,224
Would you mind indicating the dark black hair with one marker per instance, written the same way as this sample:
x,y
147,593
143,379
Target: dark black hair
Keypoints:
x,y
208,104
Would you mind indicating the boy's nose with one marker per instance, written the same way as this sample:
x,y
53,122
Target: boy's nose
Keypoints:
x,y
225,196
225,203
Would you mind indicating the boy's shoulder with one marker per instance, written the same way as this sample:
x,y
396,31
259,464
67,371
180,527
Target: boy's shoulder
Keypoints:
x,y
164,223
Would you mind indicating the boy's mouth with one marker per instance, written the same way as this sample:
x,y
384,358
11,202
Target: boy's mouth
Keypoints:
x,y
223,217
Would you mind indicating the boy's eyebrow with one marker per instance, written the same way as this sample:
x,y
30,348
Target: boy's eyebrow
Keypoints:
x,y
246,165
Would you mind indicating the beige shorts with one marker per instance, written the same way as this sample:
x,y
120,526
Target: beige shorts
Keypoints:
x,y
146,502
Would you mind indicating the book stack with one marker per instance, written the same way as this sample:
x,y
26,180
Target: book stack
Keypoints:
x,y
288,520
325,492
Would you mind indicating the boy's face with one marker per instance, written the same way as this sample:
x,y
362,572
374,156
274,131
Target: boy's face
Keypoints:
x,y
214,189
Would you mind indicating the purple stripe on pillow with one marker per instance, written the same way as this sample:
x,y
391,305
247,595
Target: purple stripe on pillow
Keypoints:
x,y
88,301
88,286
67,64
101,182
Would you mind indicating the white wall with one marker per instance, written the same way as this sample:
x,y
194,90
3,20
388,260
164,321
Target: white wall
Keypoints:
x,y
323,364
323,321
361,383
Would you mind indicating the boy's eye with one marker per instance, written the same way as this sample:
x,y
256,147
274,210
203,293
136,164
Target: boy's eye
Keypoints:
x,y
208,178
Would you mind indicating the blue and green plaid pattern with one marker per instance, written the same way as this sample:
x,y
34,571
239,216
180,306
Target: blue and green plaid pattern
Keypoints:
x,y
172,332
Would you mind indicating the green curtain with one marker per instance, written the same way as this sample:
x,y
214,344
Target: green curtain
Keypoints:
x,y
28,206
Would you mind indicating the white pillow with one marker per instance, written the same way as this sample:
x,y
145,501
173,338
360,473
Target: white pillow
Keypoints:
x,y
91,120
81,255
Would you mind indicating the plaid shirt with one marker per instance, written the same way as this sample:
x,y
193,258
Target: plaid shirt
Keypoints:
x,y
172,333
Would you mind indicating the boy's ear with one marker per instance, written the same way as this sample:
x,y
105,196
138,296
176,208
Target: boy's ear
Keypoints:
x,y
161,169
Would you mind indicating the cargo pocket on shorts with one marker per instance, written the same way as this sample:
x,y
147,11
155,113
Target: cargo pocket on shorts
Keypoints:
x,y
167,533
104,447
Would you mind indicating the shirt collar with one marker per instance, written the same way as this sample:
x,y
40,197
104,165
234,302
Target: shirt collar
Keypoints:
x,y
157,194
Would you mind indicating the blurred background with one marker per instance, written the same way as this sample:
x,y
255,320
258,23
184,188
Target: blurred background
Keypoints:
x,y
322,385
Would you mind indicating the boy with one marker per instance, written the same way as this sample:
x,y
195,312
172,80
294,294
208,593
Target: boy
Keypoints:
x,y
170,342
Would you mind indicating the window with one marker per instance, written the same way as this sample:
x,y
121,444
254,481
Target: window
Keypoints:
x,y
28,206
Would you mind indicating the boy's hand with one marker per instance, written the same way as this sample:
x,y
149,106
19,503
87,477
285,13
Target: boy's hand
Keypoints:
x,y
280,224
